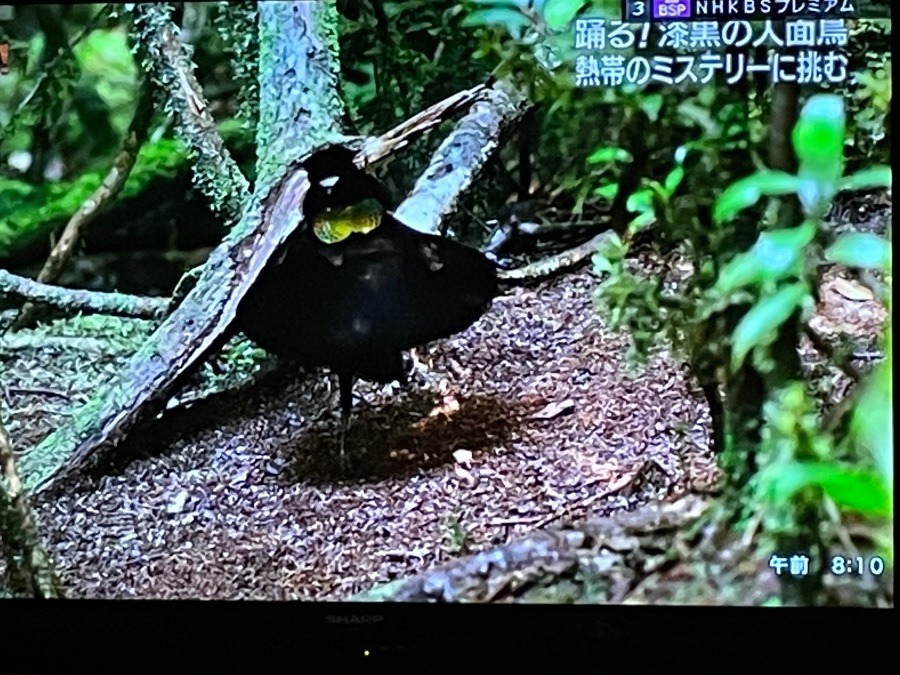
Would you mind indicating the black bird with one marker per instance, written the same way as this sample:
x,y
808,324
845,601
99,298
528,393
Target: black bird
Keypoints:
x,y
353,287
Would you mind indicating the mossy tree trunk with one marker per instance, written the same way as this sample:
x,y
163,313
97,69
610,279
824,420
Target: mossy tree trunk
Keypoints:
x,y
299,111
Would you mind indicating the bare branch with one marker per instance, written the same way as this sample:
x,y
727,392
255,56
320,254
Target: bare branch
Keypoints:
x,y
459,159
378,149
630,539
556,263
115,304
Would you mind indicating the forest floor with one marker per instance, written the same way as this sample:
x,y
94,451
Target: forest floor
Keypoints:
x,y
532,419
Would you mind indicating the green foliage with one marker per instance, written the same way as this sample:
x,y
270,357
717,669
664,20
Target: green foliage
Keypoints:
x,y
559,13
653,198
457,537
108,68
397,62
31,211
625,299
73,98
737,299
818,144
778,254
868,94
872,424
868,179
799,466
759,326
747,192
851,489
120,333
863,250
414,55
26,211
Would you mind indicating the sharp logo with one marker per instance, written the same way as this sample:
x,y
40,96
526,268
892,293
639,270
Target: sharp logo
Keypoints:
x,y
354,619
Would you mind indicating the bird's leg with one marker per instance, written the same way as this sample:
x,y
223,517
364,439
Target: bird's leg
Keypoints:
x,y
345,382
417,370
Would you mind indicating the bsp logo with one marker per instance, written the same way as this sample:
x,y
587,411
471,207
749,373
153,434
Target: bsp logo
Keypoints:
x,y
671,9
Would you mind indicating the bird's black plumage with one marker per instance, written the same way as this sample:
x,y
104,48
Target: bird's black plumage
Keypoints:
x,y
355,305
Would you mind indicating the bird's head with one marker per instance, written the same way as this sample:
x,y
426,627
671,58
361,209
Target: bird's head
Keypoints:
x,y
342,199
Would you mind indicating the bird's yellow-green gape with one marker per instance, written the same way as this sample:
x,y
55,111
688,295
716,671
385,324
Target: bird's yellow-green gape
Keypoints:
x,y
336,224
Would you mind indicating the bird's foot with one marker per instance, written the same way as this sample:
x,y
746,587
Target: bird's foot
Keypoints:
x,y
345,463
418,372
391,389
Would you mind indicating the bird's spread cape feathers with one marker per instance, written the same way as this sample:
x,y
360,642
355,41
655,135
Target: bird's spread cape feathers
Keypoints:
x,y
355,301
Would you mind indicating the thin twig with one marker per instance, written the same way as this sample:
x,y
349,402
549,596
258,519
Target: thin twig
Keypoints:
x,y
94,204
556,263
113,304
843,536
587,501
39,391
840,410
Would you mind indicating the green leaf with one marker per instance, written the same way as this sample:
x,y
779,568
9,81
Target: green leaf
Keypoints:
x,y
818,139
851,489
650,105
609,154
611,248
673,180
640,201
868,179
746,192
775,255
607,191
741,271
601,264
640,222
818,136
860,249
559,13
759,325
872,422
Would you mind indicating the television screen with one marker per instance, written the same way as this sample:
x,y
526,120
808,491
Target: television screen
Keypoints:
x,y
507,301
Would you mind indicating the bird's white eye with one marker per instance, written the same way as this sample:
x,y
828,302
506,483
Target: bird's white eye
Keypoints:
x,y
329,181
